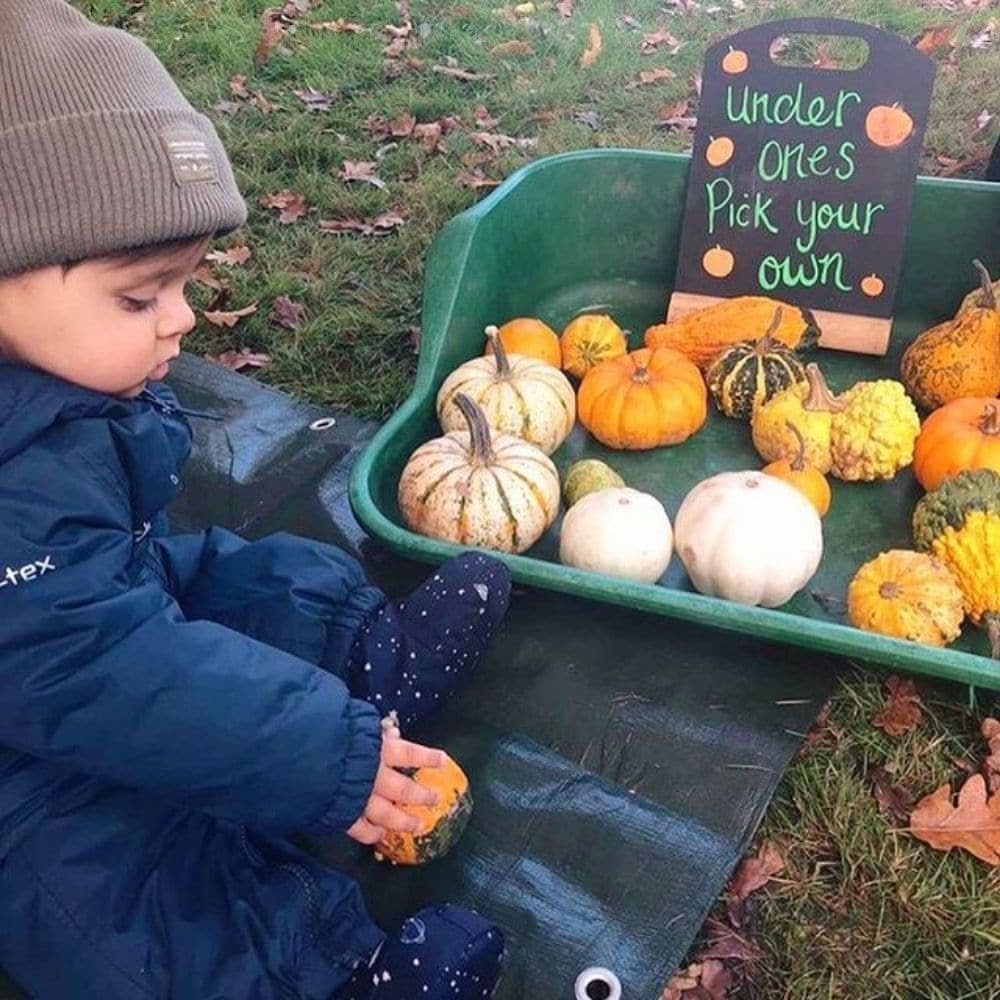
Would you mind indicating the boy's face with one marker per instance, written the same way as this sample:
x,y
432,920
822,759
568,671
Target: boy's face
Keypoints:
x,y
106,324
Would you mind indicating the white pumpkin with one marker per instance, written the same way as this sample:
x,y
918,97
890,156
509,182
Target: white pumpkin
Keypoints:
x,y
519,395
748,537
496,492
620,532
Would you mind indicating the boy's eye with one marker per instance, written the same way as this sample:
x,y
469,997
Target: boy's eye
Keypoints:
x,y
136,305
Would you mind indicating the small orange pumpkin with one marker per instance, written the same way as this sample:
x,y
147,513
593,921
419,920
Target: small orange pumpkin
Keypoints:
x,y
887,126
720,151
959,436
441,824
806,478
872,286
645,399
589,340
735,61
719,263
530,337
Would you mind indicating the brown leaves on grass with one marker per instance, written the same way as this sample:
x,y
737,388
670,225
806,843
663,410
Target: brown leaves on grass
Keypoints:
x,y
341,26
661,38
238,360
231,318
901,712
706,980
317,100
361,170
990,729
287,313
892,800
475,179
594,46
753,874
973,824
233,257
935,38
272,32
497,141
381,225
515,47
455,73
650,76
291,206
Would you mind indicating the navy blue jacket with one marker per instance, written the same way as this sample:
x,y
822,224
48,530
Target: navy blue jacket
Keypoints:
x,y
107,667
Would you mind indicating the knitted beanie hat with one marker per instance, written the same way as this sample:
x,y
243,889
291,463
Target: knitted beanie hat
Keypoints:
x,y
99,149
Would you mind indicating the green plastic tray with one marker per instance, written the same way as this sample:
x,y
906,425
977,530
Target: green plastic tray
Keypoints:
x,y
598,230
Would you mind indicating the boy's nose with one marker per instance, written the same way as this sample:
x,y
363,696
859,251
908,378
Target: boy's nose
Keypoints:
x,y
176,322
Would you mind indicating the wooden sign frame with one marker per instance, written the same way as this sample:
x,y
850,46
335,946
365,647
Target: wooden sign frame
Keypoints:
x,y
802,179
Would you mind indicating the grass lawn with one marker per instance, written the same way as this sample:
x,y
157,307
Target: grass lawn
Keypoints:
x,y
861,910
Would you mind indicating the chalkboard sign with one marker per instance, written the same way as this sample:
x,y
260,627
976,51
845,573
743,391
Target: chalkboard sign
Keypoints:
x,y
801,179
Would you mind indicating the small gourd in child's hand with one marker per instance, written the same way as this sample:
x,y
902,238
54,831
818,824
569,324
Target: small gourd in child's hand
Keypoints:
x,y
529,337
809,409
588,476
620,532
588,340
957,358
702,334
959,522
441,824
907,595
807,479
961,435
519,395
474,488
643,400
749,538
750,373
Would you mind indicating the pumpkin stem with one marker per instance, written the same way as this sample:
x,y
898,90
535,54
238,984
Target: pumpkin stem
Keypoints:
x,y
820,397
769,342
987,299
799,462
991,623
641,374
889,589
990,422
503,363
481,447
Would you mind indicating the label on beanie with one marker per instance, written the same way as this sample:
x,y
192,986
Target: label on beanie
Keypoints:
x,y
190,158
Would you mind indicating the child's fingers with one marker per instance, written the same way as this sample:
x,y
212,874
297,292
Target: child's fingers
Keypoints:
x,y
397,787
365,832
381,812
403,753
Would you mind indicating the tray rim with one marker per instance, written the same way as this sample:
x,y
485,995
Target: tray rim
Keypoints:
x,y
768,624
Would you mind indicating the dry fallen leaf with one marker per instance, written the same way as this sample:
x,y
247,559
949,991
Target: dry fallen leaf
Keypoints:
x,y
244,358
564,8
238,86
483,118
361,170
753,873
475,179
939,36
973,825
982,120
648,76
287,313
429,134
514,47
203,276
272,32
726,944
460,74
232,257
594,46
824,59
229,319
498,142
317,100
381,225
901,712
707,980
291,205
263,104
657,39
339,27
990,729
892,800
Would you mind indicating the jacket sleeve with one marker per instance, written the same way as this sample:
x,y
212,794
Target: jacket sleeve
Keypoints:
x,y
100,670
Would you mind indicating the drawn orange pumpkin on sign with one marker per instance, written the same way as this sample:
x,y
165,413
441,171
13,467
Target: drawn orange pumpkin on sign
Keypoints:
x,y
888,126
718,263
720,151
735,61
872,286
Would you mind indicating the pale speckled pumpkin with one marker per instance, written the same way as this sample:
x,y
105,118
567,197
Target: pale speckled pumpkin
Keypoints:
x,y
519,395
471,487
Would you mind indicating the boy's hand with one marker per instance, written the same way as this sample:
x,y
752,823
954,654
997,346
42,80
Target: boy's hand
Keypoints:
x,y
382,813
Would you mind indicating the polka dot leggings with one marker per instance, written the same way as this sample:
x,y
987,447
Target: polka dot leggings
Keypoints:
x,y
442,953
411,656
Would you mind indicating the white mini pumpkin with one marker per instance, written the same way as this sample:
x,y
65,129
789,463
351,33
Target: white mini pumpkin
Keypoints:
x,y
519,395
620,532
748,537
496,492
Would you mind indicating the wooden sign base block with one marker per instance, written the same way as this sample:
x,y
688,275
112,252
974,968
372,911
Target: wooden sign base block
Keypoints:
x,y
841,331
